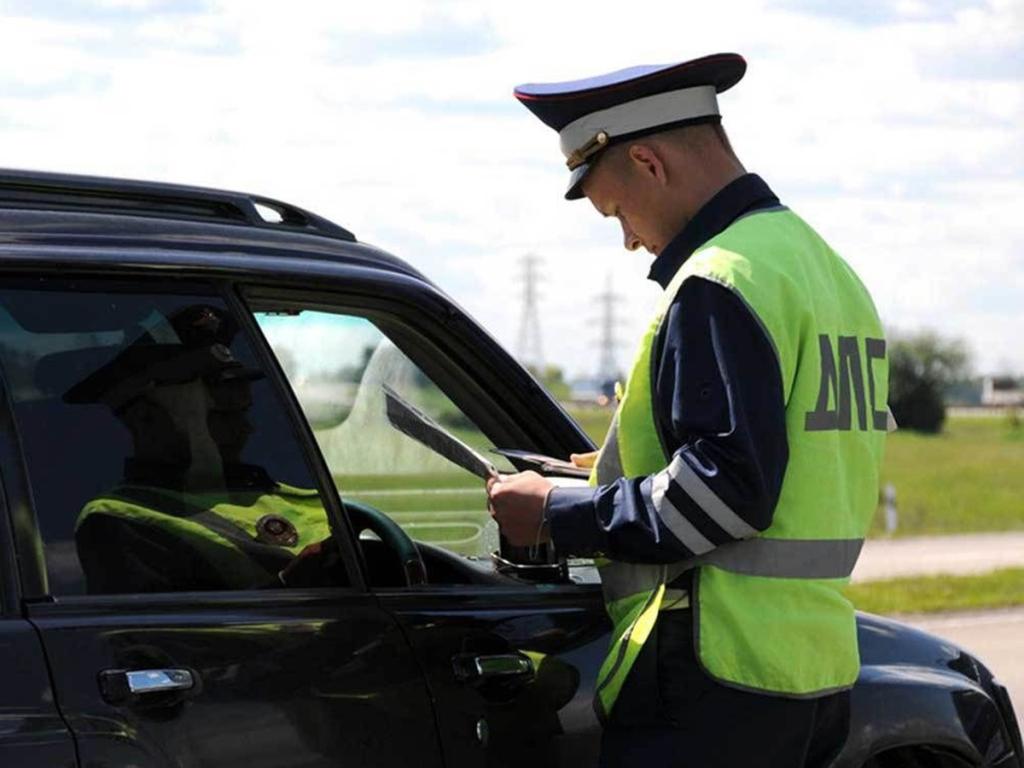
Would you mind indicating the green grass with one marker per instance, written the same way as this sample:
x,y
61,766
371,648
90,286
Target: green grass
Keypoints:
x,y
970,478
594,421
926,594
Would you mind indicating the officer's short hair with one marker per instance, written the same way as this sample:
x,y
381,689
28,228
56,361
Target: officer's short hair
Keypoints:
x,y
692,137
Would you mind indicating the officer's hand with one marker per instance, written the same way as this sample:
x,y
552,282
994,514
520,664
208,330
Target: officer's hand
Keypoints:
x,y
517,504
584,460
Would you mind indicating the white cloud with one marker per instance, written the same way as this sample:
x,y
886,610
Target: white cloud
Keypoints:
x,y
897,135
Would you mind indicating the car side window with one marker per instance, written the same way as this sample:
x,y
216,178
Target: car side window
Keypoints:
x,y
159,456
341,366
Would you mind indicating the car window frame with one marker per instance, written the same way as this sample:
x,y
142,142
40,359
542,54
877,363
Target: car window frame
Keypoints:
x,y
26,550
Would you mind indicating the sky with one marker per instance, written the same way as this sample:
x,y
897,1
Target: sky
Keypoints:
x,y
896,128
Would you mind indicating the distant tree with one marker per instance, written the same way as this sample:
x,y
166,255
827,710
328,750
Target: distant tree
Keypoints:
x,y
922,367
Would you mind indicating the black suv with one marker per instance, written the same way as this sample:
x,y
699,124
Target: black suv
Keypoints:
x,y
153,337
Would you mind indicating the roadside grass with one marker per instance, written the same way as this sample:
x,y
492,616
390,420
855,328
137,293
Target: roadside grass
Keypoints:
x,y
593,420
970,478
928,594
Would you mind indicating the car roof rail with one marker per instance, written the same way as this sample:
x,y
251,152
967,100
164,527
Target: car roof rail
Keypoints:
x,y
37,190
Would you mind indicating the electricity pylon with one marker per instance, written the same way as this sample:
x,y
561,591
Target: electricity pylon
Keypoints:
x,y
608,369
529,347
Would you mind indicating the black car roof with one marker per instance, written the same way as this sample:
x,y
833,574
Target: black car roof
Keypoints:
x,y
65,209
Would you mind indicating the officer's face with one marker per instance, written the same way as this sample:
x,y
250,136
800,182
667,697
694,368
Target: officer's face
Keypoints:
x,y
631,190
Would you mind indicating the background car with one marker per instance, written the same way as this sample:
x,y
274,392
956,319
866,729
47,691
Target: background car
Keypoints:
x,y
405,641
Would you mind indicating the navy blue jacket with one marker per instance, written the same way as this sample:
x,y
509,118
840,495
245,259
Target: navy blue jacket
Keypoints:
x,y
720,416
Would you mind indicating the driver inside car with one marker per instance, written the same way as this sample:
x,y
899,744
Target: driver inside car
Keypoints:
x,y
188,514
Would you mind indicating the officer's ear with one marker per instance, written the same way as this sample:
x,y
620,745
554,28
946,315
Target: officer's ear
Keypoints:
x,y
648,162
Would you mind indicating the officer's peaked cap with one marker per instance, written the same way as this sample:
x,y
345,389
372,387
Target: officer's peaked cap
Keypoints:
x,y
597,112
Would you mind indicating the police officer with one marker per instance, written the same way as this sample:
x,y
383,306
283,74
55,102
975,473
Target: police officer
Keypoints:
x,y
731,496
188,513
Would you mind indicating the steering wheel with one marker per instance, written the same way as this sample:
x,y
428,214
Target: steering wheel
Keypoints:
x,y
366,518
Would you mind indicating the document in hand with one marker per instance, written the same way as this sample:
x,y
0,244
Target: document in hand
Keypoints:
x,y
408,420
546,465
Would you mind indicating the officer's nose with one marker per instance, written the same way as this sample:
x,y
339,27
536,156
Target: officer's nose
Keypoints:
x,y
629,237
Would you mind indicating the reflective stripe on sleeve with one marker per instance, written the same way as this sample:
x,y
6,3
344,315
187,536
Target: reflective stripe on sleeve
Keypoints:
x,y
708,500
673,519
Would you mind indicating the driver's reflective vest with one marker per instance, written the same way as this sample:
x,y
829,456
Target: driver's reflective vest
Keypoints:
x,y
769,611
222,527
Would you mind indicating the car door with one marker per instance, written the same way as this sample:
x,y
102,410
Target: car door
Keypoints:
x,y
510,651
146,673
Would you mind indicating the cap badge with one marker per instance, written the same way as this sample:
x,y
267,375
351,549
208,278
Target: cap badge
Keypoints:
x,y
580,155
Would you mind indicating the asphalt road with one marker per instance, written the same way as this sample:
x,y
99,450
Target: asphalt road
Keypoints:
x,y
995,637
956,554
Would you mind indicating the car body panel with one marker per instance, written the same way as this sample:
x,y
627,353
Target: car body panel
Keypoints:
x,y
32,732
544,719
949,692
118,233
322,679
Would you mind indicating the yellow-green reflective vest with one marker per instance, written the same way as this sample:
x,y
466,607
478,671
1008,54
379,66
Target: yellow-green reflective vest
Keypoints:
x,y
221,527
769,611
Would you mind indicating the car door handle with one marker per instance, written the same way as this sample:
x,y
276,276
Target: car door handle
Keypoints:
x,y
471,667
119,686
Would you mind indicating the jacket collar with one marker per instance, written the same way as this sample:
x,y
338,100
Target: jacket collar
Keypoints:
x,y
743,195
